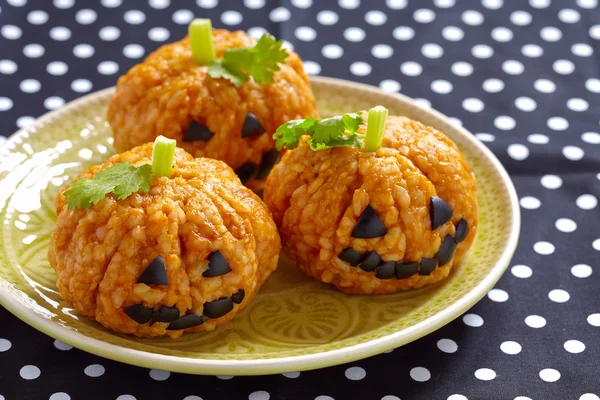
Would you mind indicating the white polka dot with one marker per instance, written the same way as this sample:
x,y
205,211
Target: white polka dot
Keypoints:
x,y
81,85
396,4
535,321
544,86
457,397
596,243
109,33
60,396
513,67
538,138
305,33
471,17
485,374
569,16
502,34
207,3
472,104
498,295
256,32
11,32
539,3
231,17
30,85
493,85
360,68
587,4
349,4
108,67
60,33
30,372
453,33
492,4
587,202
159,34
447,345
549,375
482,51
224,377
532,50
375,18
332,51
551,181
382,51
565,225
302,3
557,123
183,17
389,85
133,51
444,3
327,17
83,51
254,4
504,122
594,319
510,347
521,271
573,153
5,345
544,248
311,67
525,104
574,346
126,397
355,373
354,34
25,121
5,104
57,68
520,18
279,14
455,121
159,375
94,370
390,397
33,50
593,85
522,398
550,34
581,270
420,374
411,68
424,15
563,67
530,203
64,4
54,102
589,396
8,67
461,68
292,375
423,102
472,320
576,104
17,3
86,16
582,49
441,86
159,4
259,395
324,398
62,346
192,398
134,17
595,32
402,33
37,17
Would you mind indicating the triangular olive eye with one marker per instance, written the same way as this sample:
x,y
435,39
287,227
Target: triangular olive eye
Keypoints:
x,y
238,297
252,127
368,225
440,211
197,132
155,273
217,265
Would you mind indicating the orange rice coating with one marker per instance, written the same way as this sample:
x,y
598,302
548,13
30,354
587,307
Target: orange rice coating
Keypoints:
x,y
316,198
100,252
164,93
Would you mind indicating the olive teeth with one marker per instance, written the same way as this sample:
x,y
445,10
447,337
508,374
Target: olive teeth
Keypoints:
x,y
217,265
238,297
246,171
462,230
440,212
197,132
427,266
185,322
406,270
139,313
268,161
446,251
155,273
165,314
218,308
368,225
371,261
252,127
350,256
386,271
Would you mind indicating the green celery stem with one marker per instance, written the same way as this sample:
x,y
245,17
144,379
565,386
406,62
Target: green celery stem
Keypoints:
x,y
162,156
375,128
200,32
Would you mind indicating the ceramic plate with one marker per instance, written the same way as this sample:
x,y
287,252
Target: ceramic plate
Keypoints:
x,y
294,323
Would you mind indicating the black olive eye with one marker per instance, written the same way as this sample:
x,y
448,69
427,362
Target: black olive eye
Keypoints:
x,y
440,211
217,265
197,132
155,273
252,127
368,225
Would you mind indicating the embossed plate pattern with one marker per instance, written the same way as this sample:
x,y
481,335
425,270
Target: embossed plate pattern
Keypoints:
x,y
295,323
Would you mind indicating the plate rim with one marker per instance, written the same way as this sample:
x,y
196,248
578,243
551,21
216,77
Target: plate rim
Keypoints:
x,y
305,362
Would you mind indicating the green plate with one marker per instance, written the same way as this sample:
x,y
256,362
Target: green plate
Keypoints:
x,y
294,323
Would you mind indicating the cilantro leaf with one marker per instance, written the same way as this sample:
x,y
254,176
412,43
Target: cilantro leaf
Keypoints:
x,y
324,133
121,179
260,61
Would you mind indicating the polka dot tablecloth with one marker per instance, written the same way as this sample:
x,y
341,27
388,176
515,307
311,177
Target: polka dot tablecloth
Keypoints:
x,y
522,75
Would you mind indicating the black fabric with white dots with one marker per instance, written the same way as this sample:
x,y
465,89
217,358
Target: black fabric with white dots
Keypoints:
x,y
522,75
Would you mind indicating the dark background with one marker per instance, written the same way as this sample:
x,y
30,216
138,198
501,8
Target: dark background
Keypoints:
x,y
569,152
